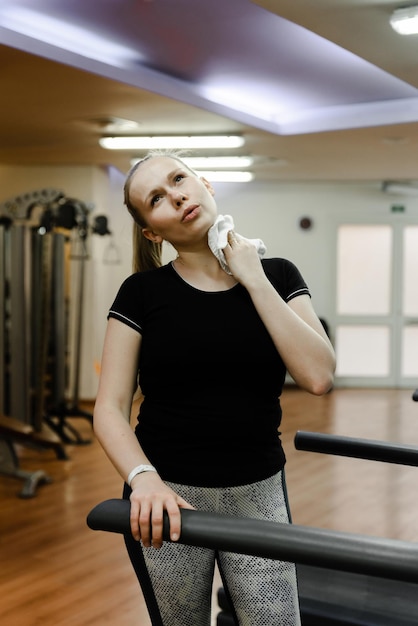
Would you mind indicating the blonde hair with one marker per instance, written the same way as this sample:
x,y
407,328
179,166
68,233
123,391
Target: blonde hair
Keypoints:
x,y
146,253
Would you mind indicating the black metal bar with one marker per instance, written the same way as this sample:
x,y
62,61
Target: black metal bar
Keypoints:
x,y
384,558
371,450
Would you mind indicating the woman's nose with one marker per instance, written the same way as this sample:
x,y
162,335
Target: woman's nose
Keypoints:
x,y
180,199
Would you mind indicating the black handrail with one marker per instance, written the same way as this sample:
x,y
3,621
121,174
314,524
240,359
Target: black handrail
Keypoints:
x,y
371,450
384,558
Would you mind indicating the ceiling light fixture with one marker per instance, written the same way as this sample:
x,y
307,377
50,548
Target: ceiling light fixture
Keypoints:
x,y
172,142
213,163
226,176
218,162
405,20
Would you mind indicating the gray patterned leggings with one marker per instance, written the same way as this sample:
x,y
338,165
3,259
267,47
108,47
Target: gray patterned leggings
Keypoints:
x,y
177,579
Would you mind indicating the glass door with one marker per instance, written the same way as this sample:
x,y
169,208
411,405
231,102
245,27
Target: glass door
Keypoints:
x,y
376,330
409,311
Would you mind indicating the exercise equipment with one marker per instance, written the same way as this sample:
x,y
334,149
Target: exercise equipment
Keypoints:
x,y
344,579
15,346
13,431
72,217
41,291
386,558
369,449
395,608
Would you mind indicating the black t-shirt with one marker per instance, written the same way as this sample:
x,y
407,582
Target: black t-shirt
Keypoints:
x,y
210,375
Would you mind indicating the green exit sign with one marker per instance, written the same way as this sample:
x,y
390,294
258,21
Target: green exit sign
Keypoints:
x,y
397,208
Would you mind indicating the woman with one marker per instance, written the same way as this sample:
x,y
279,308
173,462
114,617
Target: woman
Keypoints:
x,y
210,350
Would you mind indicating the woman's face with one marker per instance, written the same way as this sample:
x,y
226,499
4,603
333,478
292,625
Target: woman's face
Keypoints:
x,y
175,204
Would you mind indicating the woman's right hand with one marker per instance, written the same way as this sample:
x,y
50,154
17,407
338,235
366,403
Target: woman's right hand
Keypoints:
x,y
150,497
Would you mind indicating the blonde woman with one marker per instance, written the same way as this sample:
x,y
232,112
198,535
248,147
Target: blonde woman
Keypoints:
x,y
210,349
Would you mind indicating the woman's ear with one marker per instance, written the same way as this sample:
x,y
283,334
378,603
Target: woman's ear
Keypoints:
x,y
149,234
208,186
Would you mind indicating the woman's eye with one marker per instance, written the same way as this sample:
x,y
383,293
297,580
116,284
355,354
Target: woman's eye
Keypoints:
x,y
155,199
178,177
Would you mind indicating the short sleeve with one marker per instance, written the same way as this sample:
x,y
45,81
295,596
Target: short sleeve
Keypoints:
x,y
286,278
126,306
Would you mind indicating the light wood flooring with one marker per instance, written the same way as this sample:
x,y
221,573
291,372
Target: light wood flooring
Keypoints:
x,y
55,571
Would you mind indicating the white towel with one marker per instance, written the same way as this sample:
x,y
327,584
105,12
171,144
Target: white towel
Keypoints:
x,y
218,239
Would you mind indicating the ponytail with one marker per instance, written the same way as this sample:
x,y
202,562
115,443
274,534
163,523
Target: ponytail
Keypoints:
x,y
146,254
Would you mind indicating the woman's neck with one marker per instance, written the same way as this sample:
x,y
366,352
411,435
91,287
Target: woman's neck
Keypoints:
x,y
203,272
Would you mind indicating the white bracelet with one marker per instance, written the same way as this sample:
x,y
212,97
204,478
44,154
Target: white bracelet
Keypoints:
x,y
138,470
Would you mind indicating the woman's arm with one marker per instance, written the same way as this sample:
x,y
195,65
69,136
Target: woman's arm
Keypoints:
x,y
310,357
150,495
294,327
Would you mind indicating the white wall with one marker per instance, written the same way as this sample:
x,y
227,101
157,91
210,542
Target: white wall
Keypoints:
x,y
270,211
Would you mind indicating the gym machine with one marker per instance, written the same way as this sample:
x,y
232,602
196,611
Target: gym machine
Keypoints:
x,y
368,449
39,361
344,579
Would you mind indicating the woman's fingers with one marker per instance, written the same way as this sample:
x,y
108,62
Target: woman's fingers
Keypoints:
x,y
173,510
147,519
134,520
145,524
155,526
232,238
174,517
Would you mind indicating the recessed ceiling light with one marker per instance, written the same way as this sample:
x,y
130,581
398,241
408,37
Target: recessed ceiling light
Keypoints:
x,y
116,125
207,163
227,176
216,162
172,142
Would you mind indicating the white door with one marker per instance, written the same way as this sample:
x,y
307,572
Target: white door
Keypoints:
x,y
376,325
408,310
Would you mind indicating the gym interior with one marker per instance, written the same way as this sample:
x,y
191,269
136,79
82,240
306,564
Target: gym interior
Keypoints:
x,y
65,247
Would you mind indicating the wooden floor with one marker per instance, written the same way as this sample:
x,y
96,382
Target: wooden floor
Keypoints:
x,y
54,571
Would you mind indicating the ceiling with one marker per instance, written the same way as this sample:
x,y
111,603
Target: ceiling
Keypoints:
x,y
321,93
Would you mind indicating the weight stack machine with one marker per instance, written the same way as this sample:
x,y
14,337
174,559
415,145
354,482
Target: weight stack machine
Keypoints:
x,y
42,238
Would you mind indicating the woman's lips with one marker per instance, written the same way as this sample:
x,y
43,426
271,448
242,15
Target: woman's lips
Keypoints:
x,y
190,213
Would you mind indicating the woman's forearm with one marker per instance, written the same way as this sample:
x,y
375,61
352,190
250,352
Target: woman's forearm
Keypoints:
x,y
118,440
298,336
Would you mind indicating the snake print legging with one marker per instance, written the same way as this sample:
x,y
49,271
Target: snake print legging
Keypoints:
x,y
177,579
